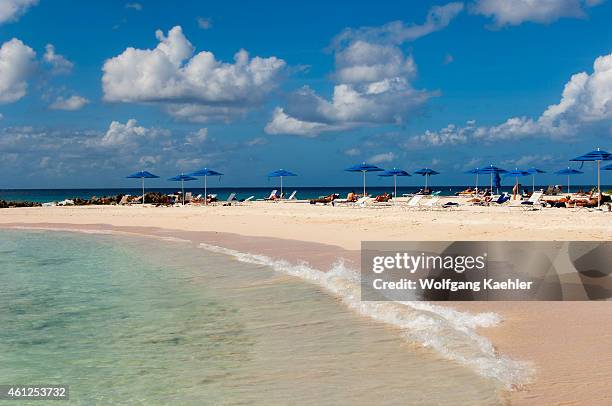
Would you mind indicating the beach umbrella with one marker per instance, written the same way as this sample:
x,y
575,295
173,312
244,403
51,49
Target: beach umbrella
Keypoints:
x,y
427,172
281,173
493,170
533,172
395,173
475,171
182,178
569,171
516,172
595,156
364,168
205,172
142,175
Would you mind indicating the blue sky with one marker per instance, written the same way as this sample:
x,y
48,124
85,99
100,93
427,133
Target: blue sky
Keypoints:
x,y
92,91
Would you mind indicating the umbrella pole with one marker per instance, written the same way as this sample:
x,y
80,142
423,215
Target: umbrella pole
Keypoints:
x,y
568,185
533,183
395,187
364,184
205,191
183,191
491,183
426,179
143,191
477,183
598,184
281,195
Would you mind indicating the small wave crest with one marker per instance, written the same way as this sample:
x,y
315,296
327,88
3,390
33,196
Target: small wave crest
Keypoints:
x,y
449,333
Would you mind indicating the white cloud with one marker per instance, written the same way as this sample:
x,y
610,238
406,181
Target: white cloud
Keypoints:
x,y
197,137
352,152
373,81
58,63
17,62
282,123
134,6
450,135
382,158
516,12
367,62
119,135
204,23
11,10
397,32
586,101
257,141
189,85
71,103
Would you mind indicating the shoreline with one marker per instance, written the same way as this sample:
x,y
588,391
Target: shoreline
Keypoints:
x,y
571,352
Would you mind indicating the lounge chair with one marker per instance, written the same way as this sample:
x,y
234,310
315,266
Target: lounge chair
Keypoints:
x,y
124,200
272,196
292,196
188,197
503,198
414,202
230,199
250,198
533,201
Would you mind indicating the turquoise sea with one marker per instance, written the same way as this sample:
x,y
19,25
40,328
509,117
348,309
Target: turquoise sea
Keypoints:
x,y
126,320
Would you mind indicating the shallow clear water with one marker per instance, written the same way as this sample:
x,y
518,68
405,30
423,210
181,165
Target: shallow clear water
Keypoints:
x,y
134,320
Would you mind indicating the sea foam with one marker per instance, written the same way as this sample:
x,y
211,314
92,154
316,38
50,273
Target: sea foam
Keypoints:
x,y
451,334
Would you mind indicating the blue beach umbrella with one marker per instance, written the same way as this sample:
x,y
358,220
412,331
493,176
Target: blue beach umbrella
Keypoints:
x,y
281,173
493,171
395,173
568,172
533,172
364,168
427,172
595,156
205,173
182,178
142,175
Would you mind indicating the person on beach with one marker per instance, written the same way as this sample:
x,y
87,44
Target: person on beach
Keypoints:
x,y
325,199
351,197
385,197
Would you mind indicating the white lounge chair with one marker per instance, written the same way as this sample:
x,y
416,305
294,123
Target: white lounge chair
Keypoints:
x,y
533,203
292,197
271,197
414,202
124,200
250,198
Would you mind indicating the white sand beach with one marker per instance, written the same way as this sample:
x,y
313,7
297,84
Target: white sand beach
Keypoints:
x,y
568,342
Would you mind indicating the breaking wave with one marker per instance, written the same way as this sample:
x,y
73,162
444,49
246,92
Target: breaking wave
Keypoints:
x,y
451,334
